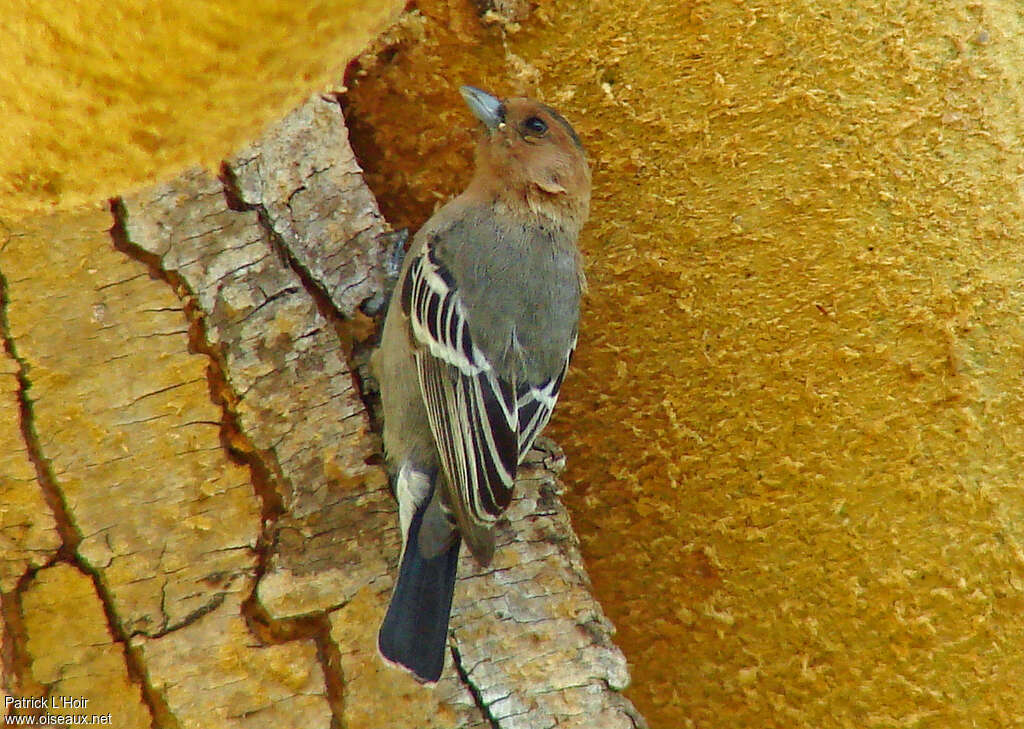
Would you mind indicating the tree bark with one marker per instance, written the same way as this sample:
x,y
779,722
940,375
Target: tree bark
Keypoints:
x,y
196,528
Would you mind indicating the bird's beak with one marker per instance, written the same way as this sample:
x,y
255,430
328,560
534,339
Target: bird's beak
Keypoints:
x,y
485,107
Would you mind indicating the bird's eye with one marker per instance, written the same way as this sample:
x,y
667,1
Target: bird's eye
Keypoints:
x,y
536,126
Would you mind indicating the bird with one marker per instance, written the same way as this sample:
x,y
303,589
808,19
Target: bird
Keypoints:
x,y
476,342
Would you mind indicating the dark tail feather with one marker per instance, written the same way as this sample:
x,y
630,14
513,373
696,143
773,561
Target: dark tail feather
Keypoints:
x,y
414,633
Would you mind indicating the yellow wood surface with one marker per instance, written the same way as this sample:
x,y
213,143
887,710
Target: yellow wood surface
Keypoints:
x,y
796,417
98,98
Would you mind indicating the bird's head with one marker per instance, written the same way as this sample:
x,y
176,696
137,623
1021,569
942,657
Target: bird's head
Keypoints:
x,y
529,154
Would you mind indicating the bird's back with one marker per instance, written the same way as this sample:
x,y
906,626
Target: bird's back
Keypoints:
x,y
520,282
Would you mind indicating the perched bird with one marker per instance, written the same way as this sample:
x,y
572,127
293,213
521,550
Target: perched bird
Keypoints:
x,y
477,339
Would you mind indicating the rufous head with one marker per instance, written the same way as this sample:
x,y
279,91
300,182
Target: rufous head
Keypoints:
x,y
529,154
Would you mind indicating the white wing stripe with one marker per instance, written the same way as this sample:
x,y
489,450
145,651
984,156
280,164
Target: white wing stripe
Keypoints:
x,y
494,463
509,406
543,399
429,289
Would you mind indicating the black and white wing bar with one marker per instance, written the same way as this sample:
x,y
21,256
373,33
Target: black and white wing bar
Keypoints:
x,y
472,411
483,425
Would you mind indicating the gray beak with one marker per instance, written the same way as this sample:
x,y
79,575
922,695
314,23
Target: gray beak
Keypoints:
x,y
485,107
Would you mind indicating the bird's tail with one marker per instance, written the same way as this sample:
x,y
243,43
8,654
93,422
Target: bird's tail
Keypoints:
x,y
414,633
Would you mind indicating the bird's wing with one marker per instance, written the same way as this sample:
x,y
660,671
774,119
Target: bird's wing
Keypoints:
x,y
473,412
534,404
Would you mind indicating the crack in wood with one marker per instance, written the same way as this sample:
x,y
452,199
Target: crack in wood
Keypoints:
x,y
18,678
334,677
259,620
200,612
71,538
17,674
473,689
66,529
263,466
358,343
324,304
272,631
266,475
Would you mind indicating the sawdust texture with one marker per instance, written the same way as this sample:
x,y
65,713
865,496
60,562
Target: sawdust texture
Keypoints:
x,y
98,98
795,421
